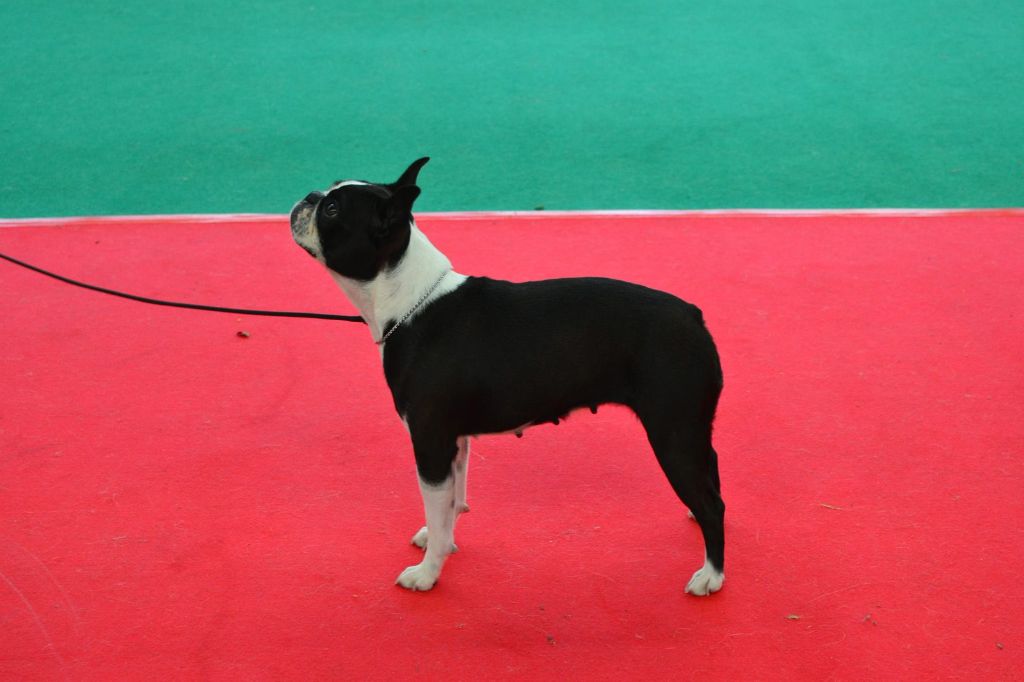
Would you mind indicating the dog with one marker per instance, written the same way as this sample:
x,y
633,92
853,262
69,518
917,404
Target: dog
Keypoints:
x,y
465,356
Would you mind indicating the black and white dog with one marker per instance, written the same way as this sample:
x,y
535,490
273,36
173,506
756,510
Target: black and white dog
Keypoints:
x,y
470,355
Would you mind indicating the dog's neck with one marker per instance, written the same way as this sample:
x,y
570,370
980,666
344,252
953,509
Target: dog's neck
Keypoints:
x,y
394,292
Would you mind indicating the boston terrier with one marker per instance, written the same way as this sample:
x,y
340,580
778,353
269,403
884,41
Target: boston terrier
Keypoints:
x,y
472,355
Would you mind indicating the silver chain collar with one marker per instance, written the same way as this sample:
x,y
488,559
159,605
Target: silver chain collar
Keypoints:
x,y
412,310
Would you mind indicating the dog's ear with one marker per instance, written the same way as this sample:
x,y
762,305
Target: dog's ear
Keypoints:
x,y
396,214
410,174
402,200
398,210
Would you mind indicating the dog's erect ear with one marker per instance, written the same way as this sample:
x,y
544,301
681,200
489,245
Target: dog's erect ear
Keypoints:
x,y
409,176
402,200
396,214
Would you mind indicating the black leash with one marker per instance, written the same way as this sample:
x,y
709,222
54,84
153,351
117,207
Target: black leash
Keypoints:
x,y
173,304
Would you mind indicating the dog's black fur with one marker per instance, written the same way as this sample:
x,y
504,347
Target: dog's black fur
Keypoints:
x,y
495,356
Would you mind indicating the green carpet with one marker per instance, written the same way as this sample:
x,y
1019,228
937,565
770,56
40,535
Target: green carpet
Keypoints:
x,y
113,107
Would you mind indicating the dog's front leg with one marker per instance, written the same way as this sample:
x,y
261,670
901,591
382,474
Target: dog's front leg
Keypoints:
x,y
439,505
460,470
437,485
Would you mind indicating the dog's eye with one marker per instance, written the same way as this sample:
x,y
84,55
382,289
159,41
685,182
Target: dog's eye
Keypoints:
x,y
331,209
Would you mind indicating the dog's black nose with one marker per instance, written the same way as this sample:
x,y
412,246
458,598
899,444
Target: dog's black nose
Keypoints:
x,y
314,197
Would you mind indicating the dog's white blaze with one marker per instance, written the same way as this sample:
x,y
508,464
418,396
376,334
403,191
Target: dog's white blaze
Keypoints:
x,y
705,581
345,183
439,506
393,293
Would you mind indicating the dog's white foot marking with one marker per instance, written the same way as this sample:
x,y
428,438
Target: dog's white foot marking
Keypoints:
x,y
420,540
459,469
705,581
439,538
419,578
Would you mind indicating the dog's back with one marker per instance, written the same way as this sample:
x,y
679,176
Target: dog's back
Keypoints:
x,y
511,354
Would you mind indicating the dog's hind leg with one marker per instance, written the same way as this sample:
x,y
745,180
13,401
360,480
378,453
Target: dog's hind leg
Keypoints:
x,y
434,464
711,518
691,465
717,481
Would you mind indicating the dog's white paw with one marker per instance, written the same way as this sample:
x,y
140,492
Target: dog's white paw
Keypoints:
x,y
705,581
420,540
418,578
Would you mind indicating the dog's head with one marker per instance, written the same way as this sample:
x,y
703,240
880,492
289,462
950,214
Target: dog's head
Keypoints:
x,y
358,228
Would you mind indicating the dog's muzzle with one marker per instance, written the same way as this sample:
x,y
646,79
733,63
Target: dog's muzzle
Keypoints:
x,y
302,211
302,221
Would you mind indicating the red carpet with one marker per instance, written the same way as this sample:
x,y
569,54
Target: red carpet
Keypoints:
x,y
179,502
